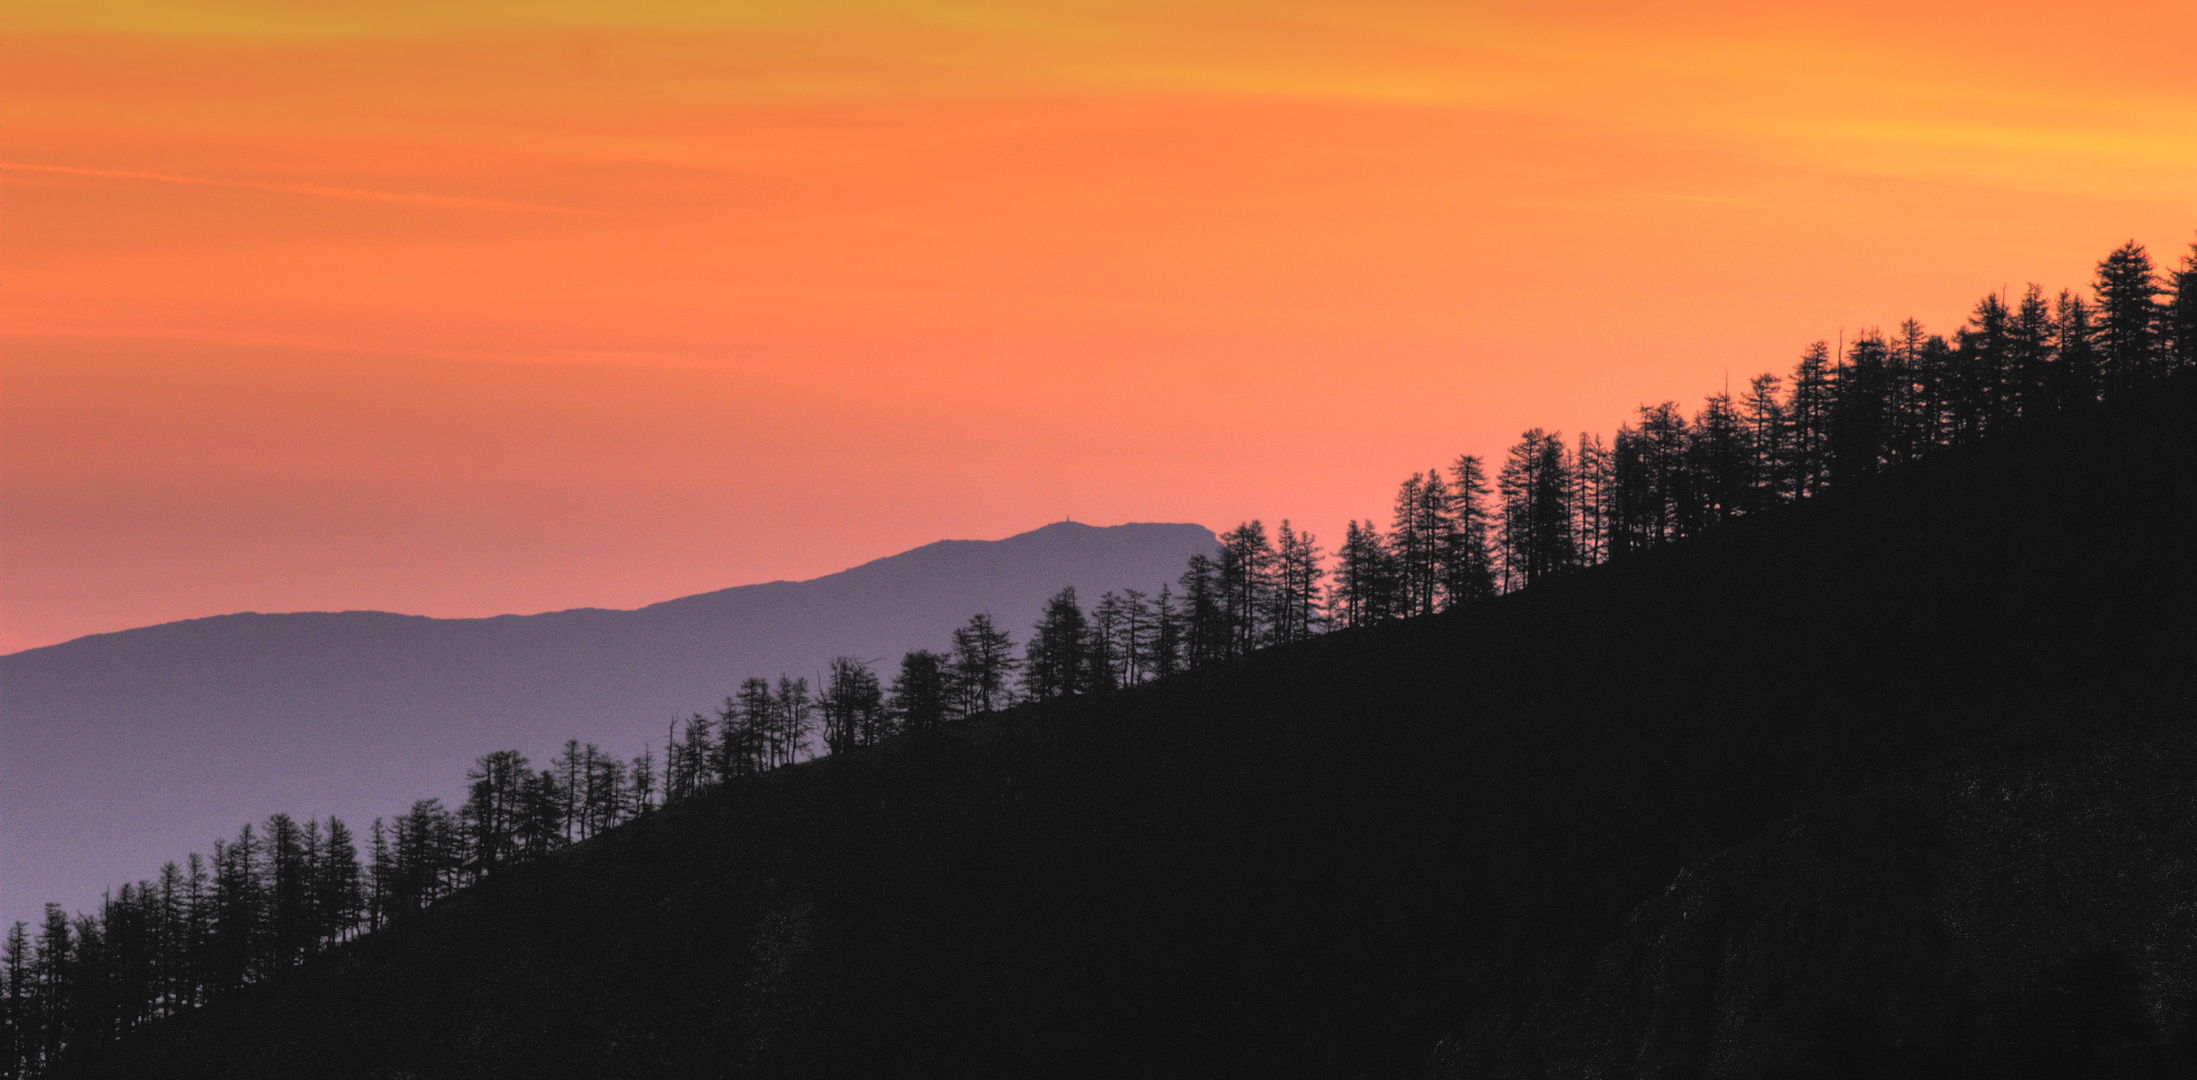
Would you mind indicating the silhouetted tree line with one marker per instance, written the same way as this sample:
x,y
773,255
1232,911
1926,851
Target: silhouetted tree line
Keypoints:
x,y
277,895
280,893
1878,403
264,901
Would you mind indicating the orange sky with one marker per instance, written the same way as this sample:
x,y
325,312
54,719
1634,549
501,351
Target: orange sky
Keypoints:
x,y
465,308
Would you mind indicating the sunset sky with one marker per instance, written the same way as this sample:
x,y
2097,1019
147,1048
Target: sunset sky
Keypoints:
x,y
463,308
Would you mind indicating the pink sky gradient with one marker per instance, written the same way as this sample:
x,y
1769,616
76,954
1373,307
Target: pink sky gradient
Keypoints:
x,y
480,308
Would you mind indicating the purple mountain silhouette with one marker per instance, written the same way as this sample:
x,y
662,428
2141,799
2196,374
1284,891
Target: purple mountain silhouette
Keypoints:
x,y
121,751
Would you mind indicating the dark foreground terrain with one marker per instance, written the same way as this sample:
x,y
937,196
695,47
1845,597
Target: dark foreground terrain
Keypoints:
x,y
1894,783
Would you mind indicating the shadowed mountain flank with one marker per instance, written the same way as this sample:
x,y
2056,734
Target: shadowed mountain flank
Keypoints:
x,y
124,750
2023,916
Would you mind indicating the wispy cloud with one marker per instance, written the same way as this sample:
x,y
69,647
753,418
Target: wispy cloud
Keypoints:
x,y
407,198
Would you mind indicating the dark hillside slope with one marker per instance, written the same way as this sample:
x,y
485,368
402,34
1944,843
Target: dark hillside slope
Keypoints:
x,y
1322,861
2014,916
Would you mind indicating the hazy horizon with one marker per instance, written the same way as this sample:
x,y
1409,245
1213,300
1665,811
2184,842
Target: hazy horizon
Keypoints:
x,y
583,607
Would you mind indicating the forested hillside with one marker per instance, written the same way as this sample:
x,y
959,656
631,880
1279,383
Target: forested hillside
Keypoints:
x,y
1414,846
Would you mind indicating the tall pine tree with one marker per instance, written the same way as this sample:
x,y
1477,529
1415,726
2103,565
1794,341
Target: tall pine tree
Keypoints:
x,y
2128,318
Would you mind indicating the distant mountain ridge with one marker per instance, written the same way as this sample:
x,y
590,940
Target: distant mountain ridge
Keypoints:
x,y
188,729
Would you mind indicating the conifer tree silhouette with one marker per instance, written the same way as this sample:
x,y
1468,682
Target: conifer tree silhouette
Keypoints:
x,y
1420,535
1295,597
1717,457
1809,411
1205,630
1535,485
1589,463
852,706
2074,378
2028,351
1105,666
338,890
1168,647
1055,663
1862,416
1763,413
920,692
1244,578
1137,629
983,665
2128,318
1468,558
790,721
18,996
641,797
2178,322
744,738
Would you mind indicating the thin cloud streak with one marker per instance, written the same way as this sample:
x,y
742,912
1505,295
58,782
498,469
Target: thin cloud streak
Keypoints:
x,y
408,198
317,345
